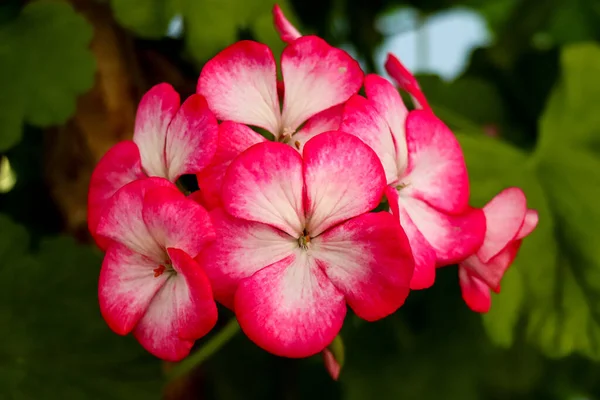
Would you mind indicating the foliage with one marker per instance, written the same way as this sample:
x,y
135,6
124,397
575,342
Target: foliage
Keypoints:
x,y
45,65
55,343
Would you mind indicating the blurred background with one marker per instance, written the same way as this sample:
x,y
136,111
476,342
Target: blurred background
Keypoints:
x,y
517,80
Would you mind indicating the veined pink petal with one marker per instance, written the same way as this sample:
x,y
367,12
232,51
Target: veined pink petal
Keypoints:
x,y
182,311
240,84
387,101
325,121
191,138
474,291
198,197
176,221
154,114
122,219
290,308
453,237
241,248
234,138
436,171
343,179
126,287
317,76
424,255
491,272
406,81
195,306
367,258
504,216
529,224
264,184
362,120
119,166
286,30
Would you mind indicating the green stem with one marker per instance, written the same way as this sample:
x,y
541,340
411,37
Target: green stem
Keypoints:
x,y
208,349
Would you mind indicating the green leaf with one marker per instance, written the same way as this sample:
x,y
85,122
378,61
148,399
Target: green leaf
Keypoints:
x,y
472,99
570,321
570,118
55,343
493,166
147,18
46,63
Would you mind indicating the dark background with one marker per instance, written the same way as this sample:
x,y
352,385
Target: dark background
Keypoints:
x,y
526,108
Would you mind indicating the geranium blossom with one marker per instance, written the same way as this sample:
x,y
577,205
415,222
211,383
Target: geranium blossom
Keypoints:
x,y
241,87
428,187
150,283
508,221
294,244
169,141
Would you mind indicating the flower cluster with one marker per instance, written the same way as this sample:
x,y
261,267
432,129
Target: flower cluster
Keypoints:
x,y
283,230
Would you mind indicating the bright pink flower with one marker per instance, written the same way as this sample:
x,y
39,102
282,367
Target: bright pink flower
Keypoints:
x,y
240,85
295,245
428,187
508,221
406,81
150,283
169,141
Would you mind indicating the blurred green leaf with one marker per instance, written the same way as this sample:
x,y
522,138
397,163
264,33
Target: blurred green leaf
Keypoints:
x,y
570,118
493,166
147,18
570,322
46,64
209,25
472,99
55,343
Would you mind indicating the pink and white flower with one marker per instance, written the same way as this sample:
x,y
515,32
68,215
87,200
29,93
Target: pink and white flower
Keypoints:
x,y
428,187
508,221
169,141
150,283
295,243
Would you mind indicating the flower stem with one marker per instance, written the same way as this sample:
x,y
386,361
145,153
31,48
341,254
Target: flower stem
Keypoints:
x,y
208,349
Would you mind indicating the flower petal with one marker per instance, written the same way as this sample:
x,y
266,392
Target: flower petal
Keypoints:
x,y
290,308
529,224
176,221
328,120
264,184
343,179
367,258
406,81
491,272
154,114
241,248
504,216
387,101
474,292
234,138
240,84
196,308
453,237
126,287
191,138
424,255
119,166
122,219
317,76
182,311
436,171
286,30
362,120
